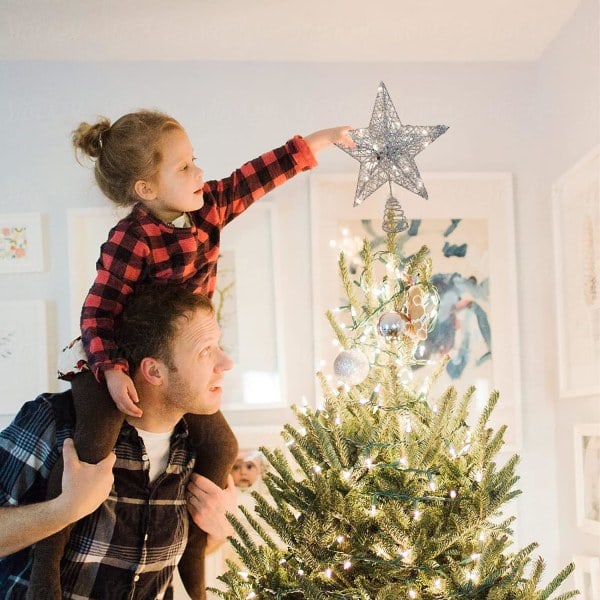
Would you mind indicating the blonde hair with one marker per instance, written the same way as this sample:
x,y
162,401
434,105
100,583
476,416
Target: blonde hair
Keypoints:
x,y
127,151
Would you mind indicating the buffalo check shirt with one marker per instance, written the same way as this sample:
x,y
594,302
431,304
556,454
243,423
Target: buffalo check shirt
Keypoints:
x,y
129,547
142,250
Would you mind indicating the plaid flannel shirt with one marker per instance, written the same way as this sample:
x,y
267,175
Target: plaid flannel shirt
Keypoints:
x,y
142,250
129,547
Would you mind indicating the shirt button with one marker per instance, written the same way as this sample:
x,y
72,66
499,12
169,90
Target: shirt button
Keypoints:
x,y
136,578
144,457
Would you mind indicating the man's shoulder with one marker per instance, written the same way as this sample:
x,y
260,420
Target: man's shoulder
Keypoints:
x,y
55,408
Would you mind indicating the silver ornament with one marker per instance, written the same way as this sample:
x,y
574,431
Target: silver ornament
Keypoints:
x,y
391,325
351,367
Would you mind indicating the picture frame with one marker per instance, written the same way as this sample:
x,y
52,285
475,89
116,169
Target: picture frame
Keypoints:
x,y
576,220
23,353
587,576
472,212
250,321
587,476
21,243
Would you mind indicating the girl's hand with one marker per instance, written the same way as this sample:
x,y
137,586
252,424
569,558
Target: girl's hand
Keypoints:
x,y
123,392
327,137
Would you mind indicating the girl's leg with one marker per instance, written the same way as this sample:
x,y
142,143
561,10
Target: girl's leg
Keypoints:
x,y
97,425
216,450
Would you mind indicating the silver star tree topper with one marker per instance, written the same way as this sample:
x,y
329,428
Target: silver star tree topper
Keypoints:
x,y
386,151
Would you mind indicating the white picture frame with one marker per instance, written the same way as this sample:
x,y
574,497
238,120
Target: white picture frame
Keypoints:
x,y
484,204
587,576
576,215
23,353
587,476
21,243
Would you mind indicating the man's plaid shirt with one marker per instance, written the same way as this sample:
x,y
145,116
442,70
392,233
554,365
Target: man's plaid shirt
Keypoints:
x,y
142,250
130,546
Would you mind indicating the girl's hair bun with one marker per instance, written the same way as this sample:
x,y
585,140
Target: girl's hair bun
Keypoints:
x,y
89,138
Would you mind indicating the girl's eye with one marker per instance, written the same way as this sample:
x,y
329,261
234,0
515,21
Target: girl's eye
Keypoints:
x,y
204,352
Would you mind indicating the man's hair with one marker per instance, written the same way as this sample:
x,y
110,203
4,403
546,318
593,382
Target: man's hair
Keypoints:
x,y
151,319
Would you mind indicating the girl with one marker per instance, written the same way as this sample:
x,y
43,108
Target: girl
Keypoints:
x,y
171,237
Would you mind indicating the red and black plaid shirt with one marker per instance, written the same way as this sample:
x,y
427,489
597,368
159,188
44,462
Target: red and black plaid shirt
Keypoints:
x,y
142,250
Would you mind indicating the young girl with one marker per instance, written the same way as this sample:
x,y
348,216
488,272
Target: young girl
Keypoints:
x,y
171,237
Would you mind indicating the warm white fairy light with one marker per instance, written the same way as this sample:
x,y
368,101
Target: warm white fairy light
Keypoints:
x,y
337,420
347,475
373,510
302,430
472,576
453,494
417,514
437,583
363,400
408,426
475,556
300,572
478,476
250,596
369,463
282,561
433,485
347,564
243,574
452,452
403,461
412,594
328,573
340,539
317,469
482,536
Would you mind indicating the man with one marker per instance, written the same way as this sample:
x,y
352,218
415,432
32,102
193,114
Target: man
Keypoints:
x,y
134,503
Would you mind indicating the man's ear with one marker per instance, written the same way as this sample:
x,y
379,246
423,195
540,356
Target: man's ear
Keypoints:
x,y
152,370
145,189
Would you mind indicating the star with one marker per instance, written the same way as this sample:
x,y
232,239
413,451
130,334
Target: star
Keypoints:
x,y
386,149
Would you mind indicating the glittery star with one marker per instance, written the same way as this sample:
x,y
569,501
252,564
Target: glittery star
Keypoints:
x,y
386,149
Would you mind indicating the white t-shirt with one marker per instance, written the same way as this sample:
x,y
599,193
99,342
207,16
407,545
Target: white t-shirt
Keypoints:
x,y
158,446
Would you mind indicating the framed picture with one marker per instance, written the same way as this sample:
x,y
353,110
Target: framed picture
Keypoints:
x,y
246,298
587,476
23,353
587,576
576,204
21,243
467,224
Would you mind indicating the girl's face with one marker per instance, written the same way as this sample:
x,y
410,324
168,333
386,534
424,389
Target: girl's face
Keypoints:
x,y
179,185
245,472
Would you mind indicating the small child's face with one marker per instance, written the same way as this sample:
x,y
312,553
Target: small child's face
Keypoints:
x,y
245,472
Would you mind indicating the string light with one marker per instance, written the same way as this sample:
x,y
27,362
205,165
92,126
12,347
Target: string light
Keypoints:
x,y
340,539
250,596
412,594
347,564
328,573
453,494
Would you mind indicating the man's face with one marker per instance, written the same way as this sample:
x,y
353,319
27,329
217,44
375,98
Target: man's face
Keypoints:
x,y
194,386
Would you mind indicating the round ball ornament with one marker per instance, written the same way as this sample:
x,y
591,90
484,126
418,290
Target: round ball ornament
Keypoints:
x,y
391,325
351,367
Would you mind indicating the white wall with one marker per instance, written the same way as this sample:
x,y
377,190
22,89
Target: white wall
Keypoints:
x,y
531,119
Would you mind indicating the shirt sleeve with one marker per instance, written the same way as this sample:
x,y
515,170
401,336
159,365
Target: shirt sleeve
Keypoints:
x,y
121,265
234,194
29,447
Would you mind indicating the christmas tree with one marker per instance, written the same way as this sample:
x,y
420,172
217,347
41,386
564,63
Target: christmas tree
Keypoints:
x,y
385,492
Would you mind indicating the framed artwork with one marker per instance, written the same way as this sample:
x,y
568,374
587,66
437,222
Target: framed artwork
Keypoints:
x,y
587,476
23,353
587,576
576,204
21,243
467,224
246,298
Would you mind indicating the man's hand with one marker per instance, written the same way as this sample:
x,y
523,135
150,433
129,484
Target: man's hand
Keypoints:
x,y
84,486
208,505
123,392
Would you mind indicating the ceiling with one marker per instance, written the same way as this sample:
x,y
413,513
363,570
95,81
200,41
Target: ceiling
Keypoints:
x,y
281,30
